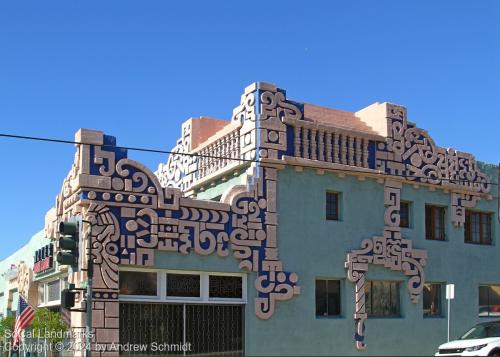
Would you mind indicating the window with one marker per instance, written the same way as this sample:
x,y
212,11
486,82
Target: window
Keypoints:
x,y
432,300
174,286
434,222
382,298
183,285
489,300
138,283
332,206
327,297
477,227
223,286
404,214
54,291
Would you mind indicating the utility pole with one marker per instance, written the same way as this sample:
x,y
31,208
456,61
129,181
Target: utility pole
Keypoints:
x,y
90,275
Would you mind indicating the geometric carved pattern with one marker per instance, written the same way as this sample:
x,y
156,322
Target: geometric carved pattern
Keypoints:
x,y
25,286
411,151
139,217
136,212
133,216
459,202
180,170
392,252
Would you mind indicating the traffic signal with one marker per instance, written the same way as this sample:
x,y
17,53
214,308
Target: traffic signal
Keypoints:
x,y
68,244
68,298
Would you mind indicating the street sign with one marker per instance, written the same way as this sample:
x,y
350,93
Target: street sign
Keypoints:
x,y
450,291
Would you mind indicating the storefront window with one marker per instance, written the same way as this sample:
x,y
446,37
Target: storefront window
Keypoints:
x,y
183,285
223,286
138,283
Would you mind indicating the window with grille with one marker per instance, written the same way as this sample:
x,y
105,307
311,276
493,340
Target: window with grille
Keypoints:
x,y
477,227
183,285
138,283
225,287
434,222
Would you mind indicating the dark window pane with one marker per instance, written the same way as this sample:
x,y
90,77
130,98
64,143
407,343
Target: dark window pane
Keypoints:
x,y
332,206
327,297
477,227
489,300
183,285
434,222
220,286
53,290
487,228
382,298
333,297
404,214
321,301
432,300
138,283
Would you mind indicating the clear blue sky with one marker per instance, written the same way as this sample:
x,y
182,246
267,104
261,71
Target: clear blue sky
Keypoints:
x,y
137,69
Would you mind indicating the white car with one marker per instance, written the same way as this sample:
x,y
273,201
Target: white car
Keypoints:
x,y
481,340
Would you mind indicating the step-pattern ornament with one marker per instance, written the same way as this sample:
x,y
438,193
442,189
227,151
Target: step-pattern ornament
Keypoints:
x,y
391,251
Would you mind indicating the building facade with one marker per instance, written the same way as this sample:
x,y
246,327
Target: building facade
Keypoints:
x,y
291,229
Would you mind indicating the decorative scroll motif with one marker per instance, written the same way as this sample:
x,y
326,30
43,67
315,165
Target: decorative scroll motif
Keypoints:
x,y
391,251
180,170
411,152
275,110
105,246
459,202
133,216
25,284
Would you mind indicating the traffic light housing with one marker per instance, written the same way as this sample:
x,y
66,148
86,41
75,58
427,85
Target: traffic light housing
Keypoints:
x,y
68,298
68,244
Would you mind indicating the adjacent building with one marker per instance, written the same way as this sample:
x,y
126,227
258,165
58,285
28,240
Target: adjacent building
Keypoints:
x,y
290,229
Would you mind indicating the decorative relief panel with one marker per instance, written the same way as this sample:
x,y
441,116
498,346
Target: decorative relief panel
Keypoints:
x,y
459,202
180,170
136,212
391,251
275,110
139,216
25,285
411,152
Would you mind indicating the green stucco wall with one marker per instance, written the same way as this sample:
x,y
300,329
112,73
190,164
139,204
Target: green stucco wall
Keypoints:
x,y
314,247
221,186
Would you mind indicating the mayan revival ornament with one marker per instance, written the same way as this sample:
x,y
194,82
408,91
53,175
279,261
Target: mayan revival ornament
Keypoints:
x,y
136,212
409,154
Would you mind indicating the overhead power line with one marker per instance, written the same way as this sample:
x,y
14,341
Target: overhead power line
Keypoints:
x,y
157,151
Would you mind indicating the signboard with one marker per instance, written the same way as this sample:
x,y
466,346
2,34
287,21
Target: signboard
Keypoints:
x,y
44,259
450,291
